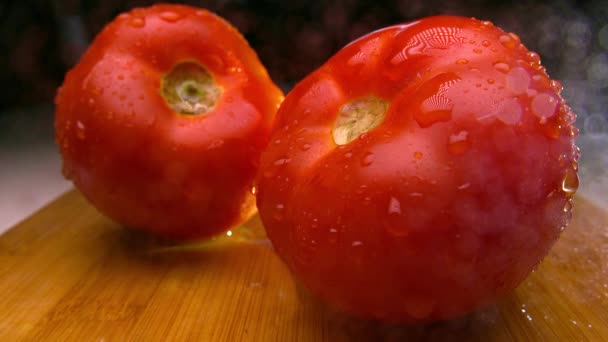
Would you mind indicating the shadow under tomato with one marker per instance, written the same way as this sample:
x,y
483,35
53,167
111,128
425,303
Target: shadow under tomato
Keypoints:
x,y
338,326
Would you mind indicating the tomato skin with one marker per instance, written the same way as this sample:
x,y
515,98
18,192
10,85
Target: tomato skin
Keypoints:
x,y
449,203
141,163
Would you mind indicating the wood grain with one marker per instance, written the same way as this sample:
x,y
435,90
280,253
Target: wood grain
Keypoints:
x,y
69,274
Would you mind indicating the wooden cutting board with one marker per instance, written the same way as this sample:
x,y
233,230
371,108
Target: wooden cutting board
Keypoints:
x,y
69,274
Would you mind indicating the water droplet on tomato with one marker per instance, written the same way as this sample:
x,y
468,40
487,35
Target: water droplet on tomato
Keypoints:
x,y
278,214
92,101
254,190
518,80
477,51
394,206
458,143
305,147
216,143
437,107
507,41
510,111
418,155
568,206
356,243
137,22
544,105
348,154
490,81
282,161
170,16
80,130
462,61
533,58
367,160
556,86
570,182
464,186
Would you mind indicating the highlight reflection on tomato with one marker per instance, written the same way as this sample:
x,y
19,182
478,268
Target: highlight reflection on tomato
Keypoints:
x,y
422,172
162,122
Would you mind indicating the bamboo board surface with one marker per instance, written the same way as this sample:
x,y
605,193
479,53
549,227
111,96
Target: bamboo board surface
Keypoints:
x,y
69,274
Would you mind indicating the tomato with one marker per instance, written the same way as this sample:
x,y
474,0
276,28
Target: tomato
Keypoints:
x,y
162,122
421,172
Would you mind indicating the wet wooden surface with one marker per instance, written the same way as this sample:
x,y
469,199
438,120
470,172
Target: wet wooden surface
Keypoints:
x,y
68,273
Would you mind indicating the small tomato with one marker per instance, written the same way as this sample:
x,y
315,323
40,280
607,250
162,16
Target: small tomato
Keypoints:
x,y
422,171
162,122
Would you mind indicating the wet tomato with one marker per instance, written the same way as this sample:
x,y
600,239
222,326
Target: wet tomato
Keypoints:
x,y
423,171
162,122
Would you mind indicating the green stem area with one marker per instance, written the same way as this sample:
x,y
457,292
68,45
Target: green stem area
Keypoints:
x,y
357,117
189,89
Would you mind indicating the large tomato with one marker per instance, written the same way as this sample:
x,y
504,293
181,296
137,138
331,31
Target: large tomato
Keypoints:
x,y
423,171
162,122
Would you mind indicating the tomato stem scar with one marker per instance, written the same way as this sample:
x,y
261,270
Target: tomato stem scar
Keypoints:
x,y
189,89
357,117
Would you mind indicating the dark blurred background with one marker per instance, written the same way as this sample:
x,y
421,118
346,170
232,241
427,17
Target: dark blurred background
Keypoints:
x,y
41,39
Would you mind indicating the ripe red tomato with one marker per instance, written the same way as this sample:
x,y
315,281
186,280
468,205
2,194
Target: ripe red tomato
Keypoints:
x,y
423,171
162,122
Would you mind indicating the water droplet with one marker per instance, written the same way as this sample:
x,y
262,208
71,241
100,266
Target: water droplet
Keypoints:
x,y
216,143
416,194
491,81
478,51
254,190
170,16
282,161
507,41
462,61
278,141
486,43
568,206
80,130
437,107
333,230
422,42
458,143
348,154
510,111
305,147
518,80
570,182
544,105
533,58
556,86
418,155
356,243
394,206
92,101
229,233
367,160
487,23
464,186
515,37
137,22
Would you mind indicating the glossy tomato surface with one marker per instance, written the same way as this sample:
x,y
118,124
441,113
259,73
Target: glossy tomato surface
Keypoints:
x,y
448,199
162,122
